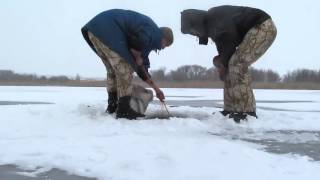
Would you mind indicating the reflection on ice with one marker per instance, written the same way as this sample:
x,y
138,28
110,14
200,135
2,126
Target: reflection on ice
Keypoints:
x,y
300,142
304,143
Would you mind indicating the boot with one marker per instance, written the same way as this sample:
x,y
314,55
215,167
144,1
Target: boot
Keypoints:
x,y
224,112
112,102
125,111
238,116
253,114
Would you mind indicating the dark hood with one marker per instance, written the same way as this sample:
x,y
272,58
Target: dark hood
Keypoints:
x,y
193,22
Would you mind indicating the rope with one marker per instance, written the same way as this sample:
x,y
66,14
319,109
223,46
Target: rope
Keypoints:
x,y
165,107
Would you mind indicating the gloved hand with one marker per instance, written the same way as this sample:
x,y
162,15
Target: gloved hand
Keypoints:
x,y
217,61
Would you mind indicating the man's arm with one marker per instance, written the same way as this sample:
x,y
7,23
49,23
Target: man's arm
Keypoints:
x,y
145,76
220,67
226,47
225,40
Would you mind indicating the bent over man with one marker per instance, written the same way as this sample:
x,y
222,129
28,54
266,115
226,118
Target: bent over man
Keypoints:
x,y
123,40
242,35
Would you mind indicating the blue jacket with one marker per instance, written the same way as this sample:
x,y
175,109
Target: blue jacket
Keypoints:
x,y
121,30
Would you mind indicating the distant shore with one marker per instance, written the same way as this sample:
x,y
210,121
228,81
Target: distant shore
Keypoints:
x,y
166,84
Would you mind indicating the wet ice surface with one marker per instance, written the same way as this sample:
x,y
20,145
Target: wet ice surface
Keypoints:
x,y
218,104
303,143
52,131
12,172
6,103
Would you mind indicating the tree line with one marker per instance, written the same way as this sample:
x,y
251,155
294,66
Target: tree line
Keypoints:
x,y
9,75
183,74
196,72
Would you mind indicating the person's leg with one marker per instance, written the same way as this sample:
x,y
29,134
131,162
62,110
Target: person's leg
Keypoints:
x,y
120,81
239,89
127,102
254,45
123,73
227,97
127,106
111,78
241,93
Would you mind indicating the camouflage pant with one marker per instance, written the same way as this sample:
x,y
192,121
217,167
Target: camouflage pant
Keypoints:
x,y
119,72
238,94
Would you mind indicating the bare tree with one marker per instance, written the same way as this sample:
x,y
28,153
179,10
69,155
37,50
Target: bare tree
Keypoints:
x,y
259,75
159,74
188,72
302,75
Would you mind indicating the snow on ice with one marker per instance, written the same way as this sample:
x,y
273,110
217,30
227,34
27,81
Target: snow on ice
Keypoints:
x,y
74,134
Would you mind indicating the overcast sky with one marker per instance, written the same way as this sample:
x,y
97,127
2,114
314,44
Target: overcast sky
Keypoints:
x,y
43,36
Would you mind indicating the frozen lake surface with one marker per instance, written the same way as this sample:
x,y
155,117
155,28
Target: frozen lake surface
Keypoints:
x,y
64,130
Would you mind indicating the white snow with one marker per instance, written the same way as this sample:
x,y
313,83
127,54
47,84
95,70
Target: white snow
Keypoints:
x,y
74,134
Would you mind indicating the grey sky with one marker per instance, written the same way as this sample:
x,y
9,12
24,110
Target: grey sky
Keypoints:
x,y
43,36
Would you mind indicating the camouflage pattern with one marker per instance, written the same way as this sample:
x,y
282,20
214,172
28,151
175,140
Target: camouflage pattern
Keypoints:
x,y
120,75
119,72
238,94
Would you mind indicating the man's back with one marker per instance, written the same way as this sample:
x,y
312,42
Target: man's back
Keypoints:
x,y
235,19
124,29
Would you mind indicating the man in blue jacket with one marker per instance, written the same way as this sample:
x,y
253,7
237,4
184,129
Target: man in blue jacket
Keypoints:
x,y
123,40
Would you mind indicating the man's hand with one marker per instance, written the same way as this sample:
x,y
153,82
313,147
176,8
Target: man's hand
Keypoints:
x,y
217,62
160,95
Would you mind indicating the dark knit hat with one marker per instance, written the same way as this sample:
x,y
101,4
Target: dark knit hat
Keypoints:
x,y
167,34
